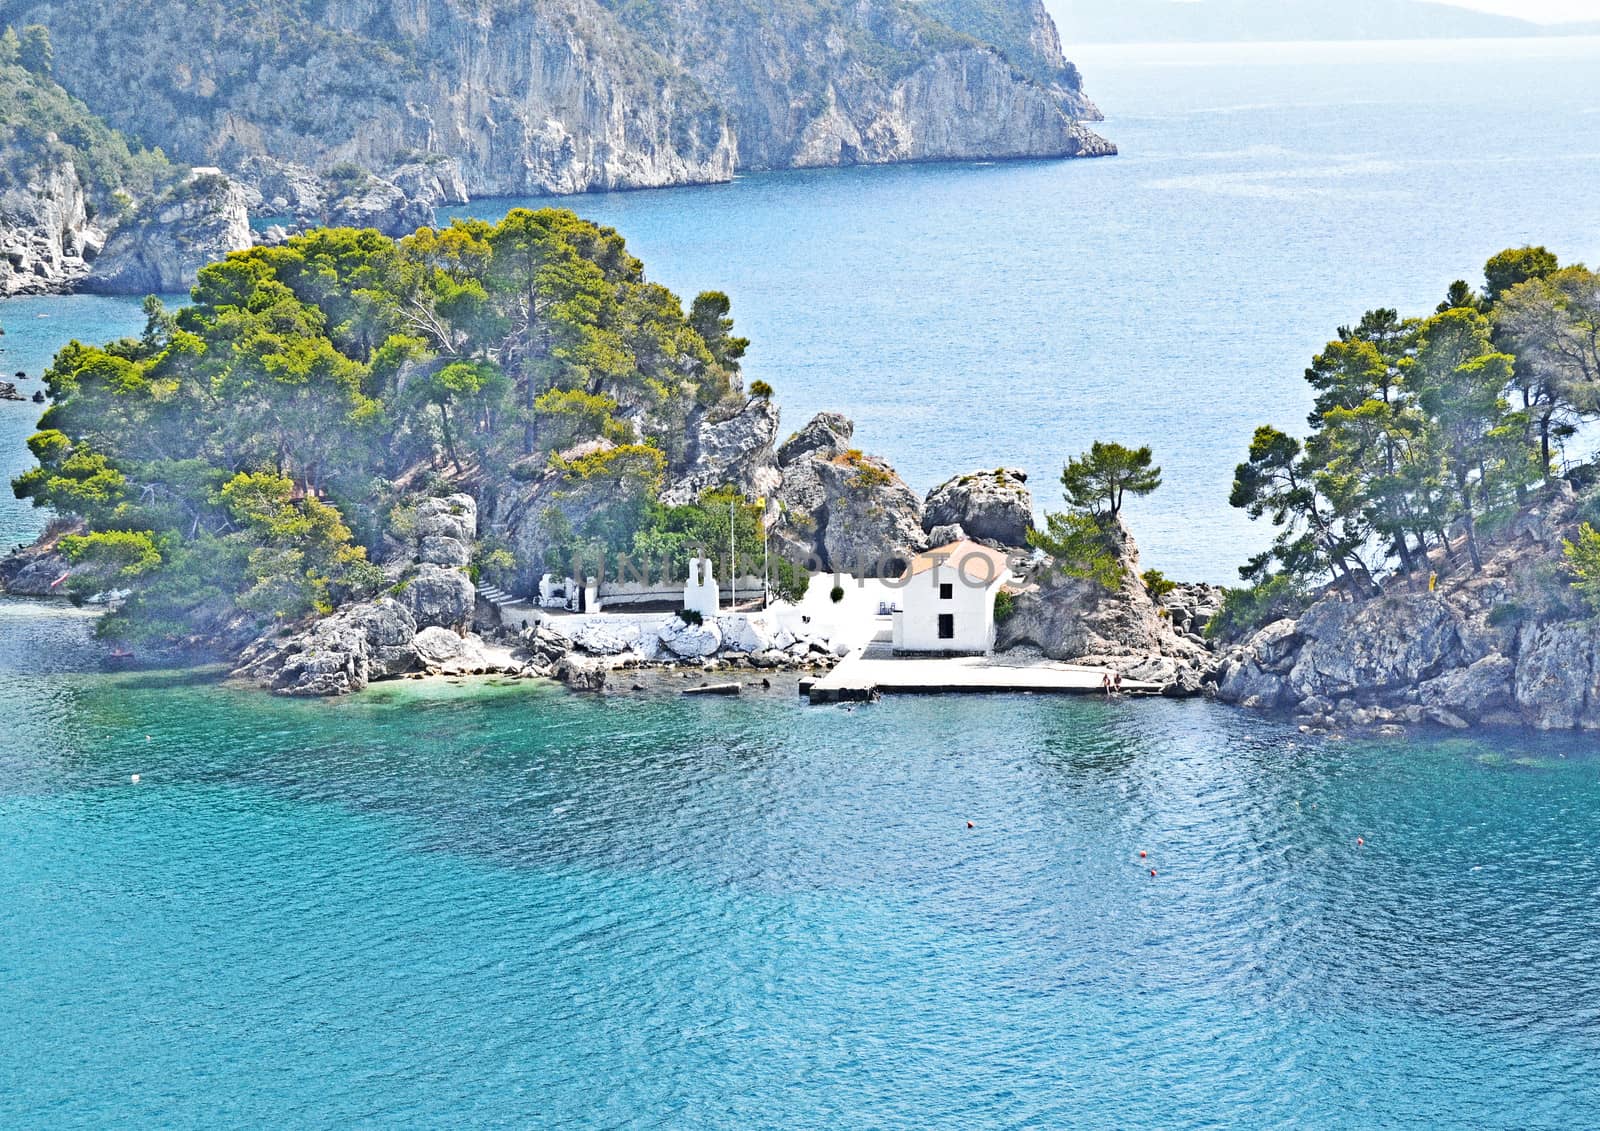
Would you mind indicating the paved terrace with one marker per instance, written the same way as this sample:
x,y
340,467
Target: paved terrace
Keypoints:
x,y
875,669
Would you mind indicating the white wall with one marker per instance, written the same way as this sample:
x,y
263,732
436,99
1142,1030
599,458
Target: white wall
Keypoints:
x,y
916,627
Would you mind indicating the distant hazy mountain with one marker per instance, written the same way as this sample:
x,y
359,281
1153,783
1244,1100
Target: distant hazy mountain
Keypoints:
x,y
1195,21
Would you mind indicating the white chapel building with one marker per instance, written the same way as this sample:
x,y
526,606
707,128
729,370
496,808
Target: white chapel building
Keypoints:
x,y
947,601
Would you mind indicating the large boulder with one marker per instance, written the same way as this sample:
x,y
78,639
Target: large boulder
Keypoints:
x,y
730,451
452,552
1372,647
440,597
454,516
691,641
1242,680
827,434
33,573
1068,618
605,636
842,510
874,521
993,507
163,247
1474,691
746,634
337,655
1555,679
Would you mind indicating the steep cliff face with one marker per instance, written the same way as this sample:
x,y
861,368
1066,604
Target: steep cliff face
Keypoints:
x,y
64,176
533,96
46,237
161,250
809,84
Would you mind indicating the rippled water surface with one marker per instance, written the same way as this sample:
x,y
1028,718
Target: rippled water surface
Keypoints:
x,y
509,906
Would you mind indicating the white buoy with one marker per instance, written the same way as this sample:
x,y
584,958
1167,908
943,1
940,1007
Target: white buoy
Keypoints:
x,y
134,779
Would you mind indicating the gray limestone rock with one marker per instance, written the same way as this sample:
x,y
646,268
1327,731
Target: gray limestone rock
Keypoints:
x,y
337,655
440,597
163,247
1474,691
994,507
734,450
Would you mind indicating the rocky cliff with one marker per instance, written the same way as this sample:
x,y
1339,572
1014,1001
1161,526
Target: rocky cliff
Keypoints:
x,y
1506,645
47,241
535,96
163,247
1124,629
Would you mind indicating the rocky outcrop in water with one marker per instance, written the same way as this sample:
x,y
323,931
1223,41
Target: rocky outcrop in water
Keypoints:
x,y
162,249
841,510
338,655
421,628
1124,629
992,507
1507,645
33,571
538,96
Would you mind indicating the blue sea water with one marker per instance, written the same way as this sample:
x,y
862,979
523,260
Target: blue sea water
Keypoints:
x,y
973,315
497,906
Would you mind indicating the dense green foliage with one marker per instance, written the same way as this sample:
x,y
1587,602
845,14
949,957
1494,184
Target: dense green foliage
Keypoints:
x,y
254,438
45,126
1083,542
1157,584
1424,430
1583,565
1100,479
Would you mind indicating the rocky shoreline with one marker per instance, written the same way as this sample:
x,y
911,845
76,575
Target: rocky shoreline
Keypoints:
x,y
830,505
1495,647
1499,646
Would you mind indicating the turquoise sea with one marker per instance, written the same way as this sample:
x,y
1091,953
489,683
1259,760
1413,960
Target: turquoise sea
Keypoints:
x,y
509,907
504,906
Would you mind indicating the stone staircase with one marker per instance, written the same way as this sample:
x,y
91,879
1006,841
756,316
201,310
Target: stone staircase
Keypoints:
x,y
504,602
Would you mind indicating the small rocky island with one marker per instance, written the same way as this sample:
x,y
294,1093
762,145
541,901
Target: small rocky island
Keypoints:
x,y
329,485
503,449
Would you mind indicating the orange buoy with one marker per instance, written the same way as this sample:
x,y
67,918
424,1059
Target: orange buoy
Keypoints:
x,y
1360,842
1143,854
1152,871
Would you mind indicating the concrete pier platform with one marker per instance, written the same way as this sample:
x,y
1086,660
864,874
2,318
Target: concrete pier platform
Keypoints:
x,y
873,671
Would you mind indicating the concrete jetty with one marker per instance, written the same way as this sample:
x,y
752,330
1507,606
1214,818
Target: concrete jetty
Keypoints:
x,y
875,670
